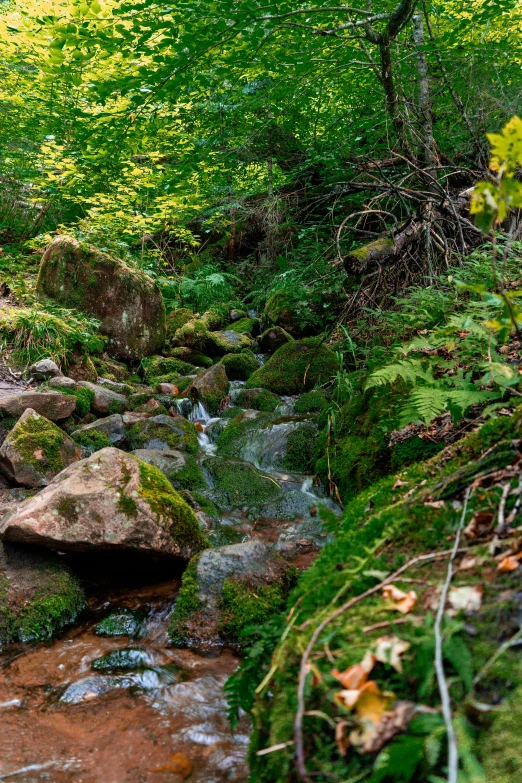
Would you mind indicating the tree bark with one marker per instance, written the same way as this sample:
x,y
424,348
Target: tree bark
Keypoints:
x,y
428,150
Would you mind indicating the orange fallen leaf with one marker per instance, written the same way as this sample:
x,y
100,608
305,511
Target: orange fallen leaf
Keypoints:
x,y
355,676
509,563
403,602
179,764
348,698
341,737
317,677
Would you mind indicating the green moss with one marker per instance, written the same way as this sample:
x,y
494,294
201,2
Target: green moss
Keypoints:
x,y
263,400
232,412
155,366
236,433
120,623
127,506
300,447
189,477
311,402
39,443
500,747
181,434
244,326
177,319
84,399
243,605
240,366
237,483
295,368
192,357
171,509
56,602
93,440
413,450
67,508
187,603
207,506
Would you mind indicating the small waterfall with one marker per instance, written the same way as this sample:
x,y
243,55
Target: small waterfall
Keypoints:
x,y
192,410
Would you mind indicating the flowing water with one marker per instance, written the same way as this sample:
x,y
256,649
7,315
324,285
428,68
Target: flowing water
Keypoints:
x,y
132,708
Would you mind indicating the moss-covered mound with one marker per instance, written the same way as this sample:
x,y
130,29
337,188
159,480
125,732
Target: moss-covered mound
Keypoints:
x,y
127,301
240,366
257,399
156,366
235,483
198,336
383,528
191,357
296,367
210,388
177,319
164,432
38,595
245,326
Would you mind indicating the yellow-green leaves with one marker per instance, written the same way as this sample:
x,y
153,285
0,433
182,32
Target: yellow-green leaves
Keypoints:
x,y
492,201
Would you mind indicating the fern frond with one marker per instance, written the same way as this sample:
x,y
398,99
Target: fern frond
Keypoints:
x,y
424,404
410,370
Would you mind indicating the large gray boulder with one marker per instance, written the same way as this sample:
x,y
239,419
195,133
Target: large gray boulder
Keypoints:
x,y
36,450
52,405
109,501
44,369
127,301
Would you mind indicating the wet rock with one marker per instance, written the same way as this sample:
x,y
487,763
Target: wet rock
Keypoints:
x,y
272,339
44,369
235,483
36,450
105,401
296,367
120,660
240,366
210,387
127,302
38,594
63,382
104,432
120,623
52,405
257,399
164,433
167,388
110,500
180,468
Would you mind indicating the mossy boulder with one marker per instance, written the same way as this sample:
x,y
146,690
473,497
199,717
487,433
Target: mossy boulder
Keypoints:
x,y
97,435
216,317
127,302
83,369
176,320
257,399
240,366
190,356
227,588
105,401
272,339
311,402
109,501
296,367
282,309
36,450
181,469
38,595
84,397
197,336
210,387
248,326
227,341
235,483
164,432
122,622
240,431
155,366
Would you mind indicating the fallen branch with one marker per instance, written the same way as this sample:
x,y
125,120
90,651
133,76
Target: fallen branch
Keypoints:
x,y
303,669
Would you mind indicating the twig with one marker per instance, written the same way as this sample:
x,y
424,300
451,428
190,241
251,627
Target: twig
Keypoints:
x,y
453,752
496,655
386,623
303,669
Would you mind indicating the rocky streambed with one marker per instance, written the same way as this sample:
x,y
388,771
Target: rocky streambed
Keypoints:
x,y
130,687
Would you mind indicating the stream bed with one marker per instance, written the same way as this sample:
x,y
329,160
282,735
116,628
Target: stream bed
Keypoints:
x,y
131,707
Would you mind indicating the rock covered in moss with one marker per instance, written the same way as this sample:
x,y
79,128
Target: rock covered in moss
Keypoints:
x,y
210,387
281,310
190,356
226,588
272,339
52,404
240,366
105,400
311,402
111,500
177,319
62,382
84,397
248,326
197,336
180,468
84,370
164,433
127,302
122,622
38,594
156,366
44,369
296,367
102,433
235,483
257,399
36,450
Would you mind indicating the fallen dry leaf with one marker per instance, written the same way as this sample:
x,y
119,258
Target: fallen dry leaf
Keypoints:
x,y
355,676
479,524
372,739
403,602
179,764
400,483
467,598
317,677
388,649
342,737
467,563
509,563
436,503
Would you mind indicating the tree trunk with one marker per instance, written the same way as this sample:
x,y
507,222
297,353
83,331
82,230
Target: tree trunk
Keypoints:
x,y
428,150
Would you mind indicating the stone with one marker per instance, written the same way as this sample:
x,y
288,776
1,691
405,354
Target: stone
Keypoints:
x,y
257,399
240,366
38,594
152,407
236,315
296,367
109,501
105,401
84,370
111,426
282,308
272,339
44,369
164,432
128,302
130,418
215,565
236,483
181,469
190,356
63,382
210,387
168,388
52,405
115,386
36,450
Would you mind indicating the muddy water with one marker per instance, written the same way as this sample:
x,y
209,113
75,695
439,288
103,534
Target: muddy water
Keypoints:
x,y
161,720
